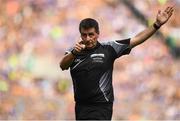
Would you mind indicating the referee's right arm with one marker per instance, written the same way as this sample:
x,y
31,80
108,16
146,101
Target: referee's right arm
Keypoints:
x,y
66,61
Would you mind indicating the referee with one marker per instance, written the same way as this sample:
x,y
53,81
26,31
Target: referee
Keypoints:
x,y
91,66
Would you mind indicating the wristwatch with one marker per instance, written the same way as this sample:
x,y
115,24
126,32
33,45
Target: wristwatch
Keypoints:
x,y
156,26
72,51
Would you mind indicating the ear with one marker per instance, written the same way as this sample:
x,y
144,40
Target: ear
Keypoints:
x,y
97,35
97,32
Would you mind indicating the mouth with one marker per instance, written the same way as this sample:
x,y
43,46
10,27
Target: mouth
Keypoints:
x,y
86,42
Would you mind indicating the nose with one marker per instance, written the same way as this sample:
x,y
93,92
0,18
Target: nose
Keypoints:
x,y
88,38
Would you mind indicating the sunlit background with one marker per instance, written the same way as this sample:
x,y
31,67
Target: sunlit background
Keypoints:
x,y
34,34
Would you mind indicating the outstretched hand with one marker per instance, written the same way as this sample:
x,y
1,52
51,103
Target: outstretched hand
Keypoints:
x,y
163,16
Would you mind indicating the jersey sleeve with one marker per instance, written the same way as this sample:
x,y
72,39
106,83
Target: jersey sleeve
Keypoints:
x,y
120,47
68,51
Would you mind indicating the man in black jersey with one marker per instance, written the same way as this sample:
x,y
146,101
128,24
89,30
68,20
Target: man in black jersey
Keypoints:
x,y
91,66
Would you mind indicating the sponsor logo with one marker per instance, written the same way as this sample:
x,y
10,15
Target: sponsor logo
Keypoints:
x,y
76,60
97,55
97,58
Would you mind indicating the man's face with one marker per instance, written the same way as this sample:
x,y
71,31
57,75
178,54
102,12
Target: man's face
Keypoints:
x,y
89,37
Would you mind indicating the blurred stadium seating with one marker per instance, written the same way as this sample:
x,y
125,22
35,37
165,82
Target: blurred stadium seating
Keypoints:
x,y
35,33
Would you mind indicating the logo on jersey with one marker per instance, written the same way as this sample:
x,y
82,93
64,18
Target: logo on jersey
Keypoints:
x,y
98,58
77,60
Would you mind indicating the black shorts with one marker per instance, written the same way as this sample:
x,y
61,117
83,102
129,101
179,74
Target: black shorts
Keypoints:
x,y
93,111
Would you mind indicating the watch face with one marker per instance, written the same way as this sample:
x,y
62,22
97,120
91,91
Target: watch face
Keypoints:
x,y
72,51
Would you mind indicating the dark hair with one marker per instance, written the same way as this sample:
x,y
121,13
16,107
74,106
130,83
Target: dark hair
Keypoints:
x,y
89,23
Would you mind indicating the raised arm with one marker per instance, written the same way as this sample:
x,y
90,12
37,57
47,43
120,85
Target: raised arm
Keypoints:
x,y
161,18
68,59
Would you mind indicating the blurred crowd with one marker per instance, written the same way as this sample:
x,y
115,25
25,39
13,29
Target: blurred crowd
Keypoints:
x,y
34,35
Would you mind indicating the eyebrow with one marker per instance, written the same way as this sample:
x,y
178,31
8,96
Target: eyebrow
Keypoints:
x,y
90,33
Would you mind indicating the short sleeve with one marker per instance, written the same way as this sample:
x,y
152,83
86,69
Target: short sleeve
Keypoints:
x,y
121,47
68,51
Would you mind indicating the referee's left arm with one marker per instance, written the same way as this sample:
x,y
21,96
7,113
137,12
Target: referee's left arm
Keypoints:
x,y
162,18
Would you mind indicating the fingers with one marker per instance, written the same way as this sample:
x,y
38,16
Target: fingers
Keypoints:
x,y
170,14
80,41
163,17
79,46
159,11
169,10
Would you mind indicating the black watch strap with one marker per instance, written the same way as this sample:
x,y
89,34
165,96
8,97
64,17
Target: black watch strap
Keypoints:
x,y
72,51
156,26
